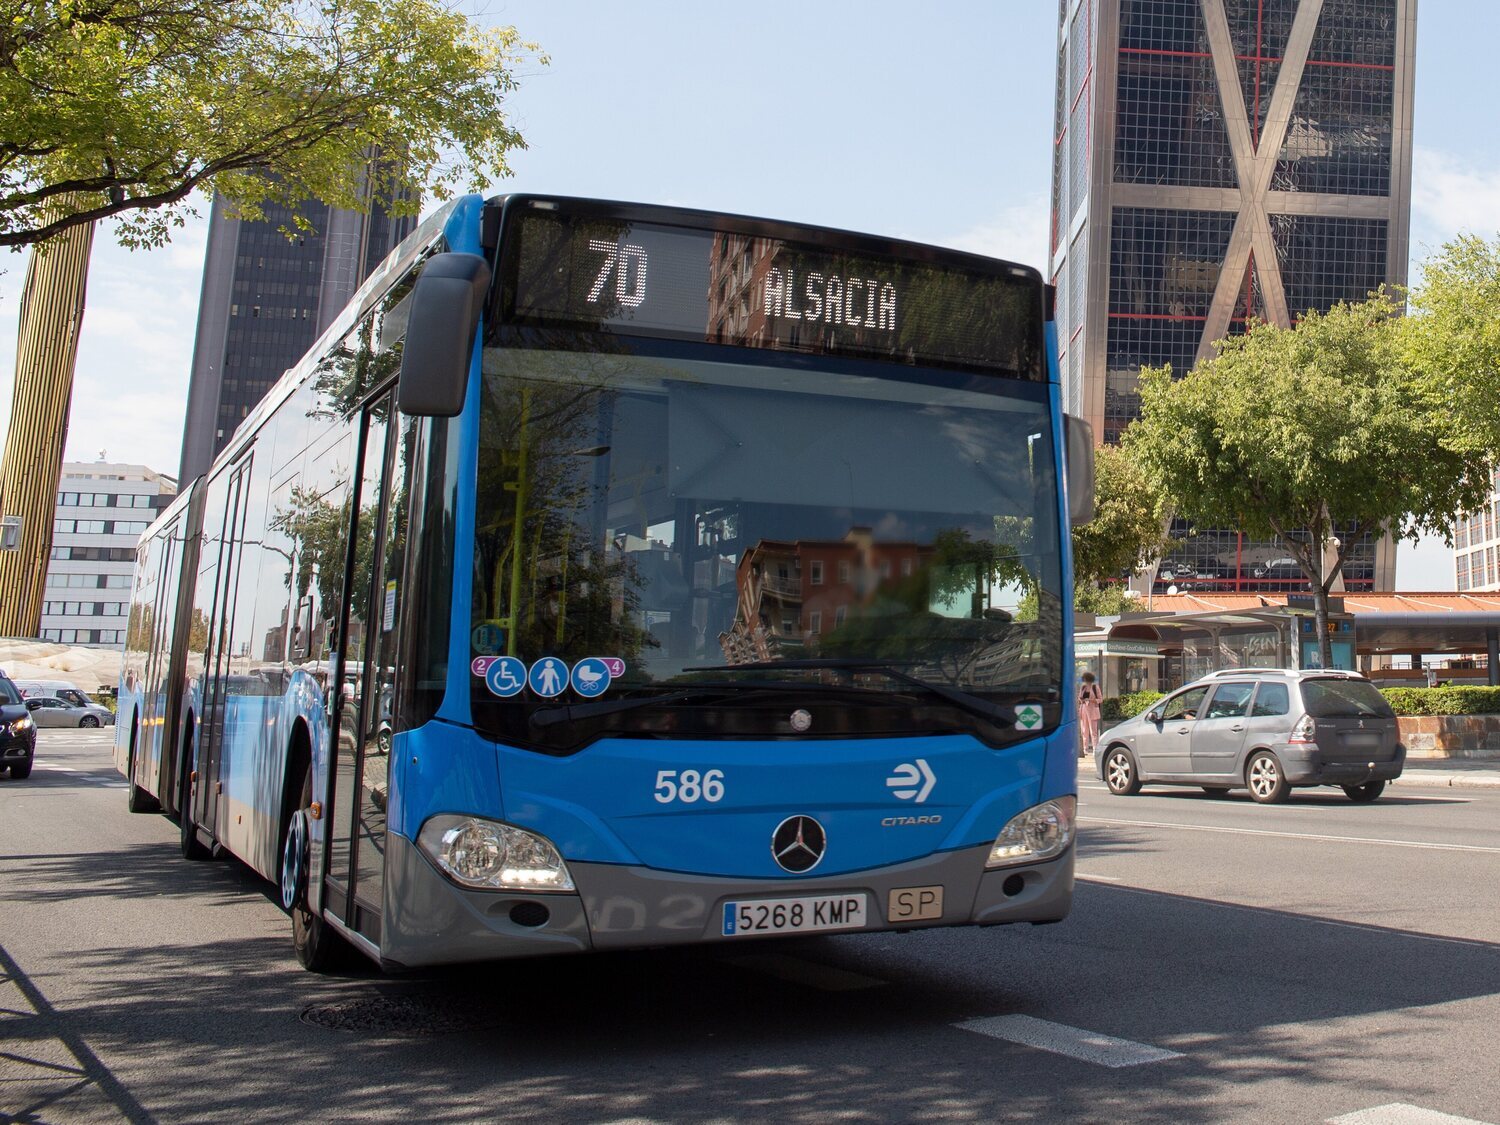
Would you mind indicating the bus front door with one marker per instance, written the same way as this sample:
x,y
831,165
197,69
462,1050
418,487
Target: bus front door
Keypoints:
x,y
363,723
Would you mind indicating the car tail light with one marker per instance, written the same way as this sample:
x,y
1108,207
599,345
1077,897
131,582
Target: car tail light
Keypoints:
x,y
1304,731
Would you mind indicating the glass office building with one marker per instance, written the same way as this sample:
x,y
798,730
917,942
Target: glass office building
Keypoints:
x,y
266,298
1217,160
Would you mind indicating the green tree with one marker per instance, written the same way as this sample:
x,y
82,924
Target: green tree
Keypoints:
x,y
1288,432
126,107
1128,529
1454,338
1107,600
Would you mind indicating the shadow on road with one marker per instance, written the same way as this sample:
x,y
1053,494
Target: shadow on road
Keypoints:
x,y
232,1027
47,1069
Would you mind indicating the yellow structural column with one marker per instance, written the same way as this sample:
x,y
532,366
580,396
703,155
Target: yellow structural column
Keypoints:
x,y
46,351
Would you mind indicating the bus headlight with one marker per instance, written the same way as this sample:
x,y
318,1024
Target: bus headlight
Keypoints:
x,y
490,856
1041,832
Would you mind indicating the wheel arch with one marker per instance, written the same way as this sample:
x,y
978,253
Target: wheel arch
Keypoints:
x,y
298,763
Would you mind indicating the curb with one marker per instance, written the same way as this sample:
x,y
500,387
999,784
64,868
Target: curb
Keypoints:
x,y
1453,780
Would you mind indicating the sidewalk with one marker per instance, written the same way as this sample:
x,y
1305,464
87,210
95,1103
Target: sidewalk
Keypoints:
x,y
1460,773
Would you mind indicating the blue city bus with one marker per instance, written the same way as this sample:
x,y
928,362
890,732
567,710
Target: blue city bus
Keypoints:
x,y
612,575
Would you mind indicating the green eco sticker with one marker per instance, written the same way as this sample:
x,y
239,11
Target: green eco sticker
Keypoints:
x,y
1028,716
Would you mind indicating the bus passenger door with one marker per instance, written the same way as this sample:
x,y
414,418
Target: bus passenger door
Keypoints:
x,y
363,726
208,796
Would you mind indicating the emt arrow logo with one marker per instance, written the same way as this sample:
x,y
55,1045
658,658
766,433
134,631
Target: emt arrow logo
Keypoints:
x,y
908,775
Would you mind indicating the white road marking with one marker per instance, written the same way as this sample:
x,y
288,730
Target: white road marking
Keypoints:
x,y
1087,1046
108,779
1399,1113
1423,844
1097,878
800,971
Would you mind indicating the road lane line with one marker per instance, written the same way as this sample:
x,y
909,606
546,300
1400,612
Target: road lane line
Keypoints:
x,y
1399,1113
1075,1043
1097,878
1422,844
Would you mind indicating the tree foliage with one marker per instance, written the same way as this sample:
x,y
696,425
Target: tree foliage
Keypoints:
x,y
126,107
1454,338
1288,432
1129,524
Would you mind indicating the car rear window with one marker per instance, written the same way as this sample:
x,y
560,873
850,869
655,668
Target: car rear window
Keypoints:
x,y
8,692
1332,698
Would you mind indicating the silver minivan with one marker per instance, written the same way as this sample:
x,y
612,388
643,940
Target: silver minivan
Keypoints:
x,y
1266,729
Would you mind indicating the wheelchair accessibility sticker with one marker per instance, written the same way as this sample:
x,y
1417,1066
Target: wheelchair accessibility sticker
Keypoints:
x,y
549,677
505,676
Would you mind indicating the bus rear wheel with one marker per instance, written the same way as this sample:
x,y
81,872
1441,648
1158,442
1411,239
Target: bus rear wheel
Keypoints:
x,y
318,946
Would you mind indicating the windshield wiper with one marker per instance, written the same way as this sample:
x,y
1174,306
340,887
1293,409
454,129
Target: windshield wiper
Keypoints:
x,y
571,712
961,699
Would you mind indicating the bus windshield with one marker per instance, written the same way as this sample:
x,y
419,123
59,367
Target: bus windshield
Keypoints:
x,y
679,518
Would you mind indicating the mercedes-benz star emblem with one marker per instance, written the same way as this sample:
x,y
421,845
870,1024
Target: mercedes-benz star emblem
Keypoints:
x,y
798,844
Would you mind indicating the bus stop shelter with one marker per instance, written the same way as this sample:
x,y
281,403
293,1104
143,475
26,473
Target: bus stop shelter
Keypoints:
x,y
1194,634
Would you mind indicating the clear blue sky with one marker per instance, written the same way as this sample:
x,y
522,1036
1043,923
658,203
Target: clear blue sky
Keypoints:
x,y
928,124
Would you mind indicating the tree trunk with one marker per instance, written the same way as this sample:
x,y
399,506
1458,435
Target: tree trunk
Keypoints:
x,y
46,352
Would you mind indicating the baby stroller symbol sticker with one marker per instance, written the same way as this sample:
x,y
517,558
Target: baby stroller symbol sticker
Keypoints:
x,y
549,676
591,677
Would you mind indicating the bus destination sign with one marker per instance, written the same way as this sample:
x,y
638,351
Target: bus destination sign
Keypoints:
x,y
724,287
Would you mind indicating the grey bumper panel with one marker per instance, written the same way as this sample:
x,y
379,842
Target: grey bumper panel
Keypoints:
x,y
1310,768
431,921
634,906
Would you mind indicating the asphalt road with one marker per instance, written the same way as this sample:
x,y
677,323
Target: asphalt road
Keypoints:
x,y
1223,962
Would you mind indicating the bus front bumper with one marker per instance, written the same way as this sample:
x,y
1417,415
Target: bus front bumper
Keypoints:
x,y
431,921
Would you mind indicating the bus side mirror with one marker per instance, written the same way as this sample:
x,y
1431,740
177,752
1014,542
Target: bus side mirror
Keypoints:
x,y
446,304
1078,446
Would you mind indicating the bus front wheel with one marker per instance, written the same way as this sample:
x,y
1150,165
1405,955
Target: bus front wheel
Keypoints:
x,y
137,800
318,946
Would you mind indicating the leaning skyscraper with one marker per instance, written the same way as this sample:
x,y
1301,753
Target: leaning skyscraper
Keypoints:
x,y
1217,160
266,298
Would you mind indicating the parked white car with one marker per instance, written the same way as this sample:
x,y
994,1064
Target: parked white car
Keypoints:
x,y
50,711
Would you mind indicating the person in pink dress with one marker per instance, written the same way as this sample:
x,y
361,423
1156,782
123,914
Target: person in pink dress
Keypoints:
x,y
1089,698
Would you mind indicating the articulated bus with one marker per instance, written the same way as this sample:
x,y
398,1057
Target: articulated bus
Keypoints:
x,y
613,575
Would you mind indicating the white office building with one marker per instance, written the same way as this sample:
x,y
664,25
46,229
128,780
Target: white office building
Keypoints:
x,y
102,508
1476,541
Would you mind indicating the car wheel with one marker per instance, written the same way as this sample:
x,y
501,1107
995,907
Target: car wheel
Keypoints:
x,y
318,946
88,721
1216,790
1267,783
20,770
1364,794
1120,772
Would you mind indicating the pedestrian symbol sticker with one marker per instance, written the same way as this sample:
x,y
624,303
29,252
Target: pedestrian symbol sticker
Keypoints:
x,y
549,676
591,675
1028,716
505,676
